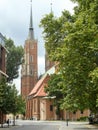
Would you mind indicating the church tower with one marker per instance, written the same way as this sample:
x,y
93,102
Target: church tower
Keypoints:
x,y
48,62
29,72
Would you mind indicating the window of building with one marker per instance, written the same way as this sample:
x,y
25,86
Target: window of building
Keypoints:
x,y
31,58
74,112
51,107
31,69
27,58
81,112
34,105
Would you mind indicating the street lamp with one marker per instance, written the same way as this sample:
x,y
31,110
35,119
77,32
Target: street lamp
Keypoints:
x,y
66,118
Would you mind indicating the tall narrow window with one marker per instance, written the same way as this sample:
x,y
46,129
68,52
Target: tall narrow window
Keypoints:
x,y
34,105
51,107
27,58
31,58
31,69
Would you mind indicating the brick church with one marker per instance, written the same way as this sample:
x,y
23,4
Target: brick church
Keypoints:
x,y
38,105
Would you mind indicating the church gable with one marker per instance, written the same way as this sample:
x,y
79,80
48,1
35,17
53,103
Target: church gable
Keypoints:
x,y
38,89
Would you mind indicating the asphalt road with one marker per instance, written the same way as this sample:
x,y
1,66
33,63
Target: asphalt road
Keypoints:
x,y
36,127
49,125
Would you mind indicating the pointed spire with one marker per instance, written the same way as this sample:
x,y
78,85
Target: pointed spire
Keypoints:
x,y
31,30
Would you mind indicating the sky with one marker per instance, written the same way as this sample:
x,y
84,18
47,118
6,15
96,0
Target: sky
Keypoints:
x,y
15,18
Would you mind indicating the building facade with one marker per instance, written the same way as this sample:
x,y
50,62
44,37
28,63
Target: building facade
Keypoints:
x,y
33,104
3,55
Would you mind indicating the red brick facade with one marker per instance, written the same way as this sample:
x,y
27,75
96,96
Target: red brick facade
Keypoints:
x,y
29,72
2,59
2,68
33,100
29,67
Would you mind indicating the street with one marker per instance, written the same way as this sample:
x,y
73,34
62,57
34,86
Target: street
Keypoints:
x,y
36,127
49,125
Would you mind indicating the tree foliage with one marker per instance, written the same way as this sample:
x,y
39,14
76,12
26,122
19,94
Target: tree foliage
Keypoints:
x,y
14,59
3,95
72,40
54,35
54,89
10,100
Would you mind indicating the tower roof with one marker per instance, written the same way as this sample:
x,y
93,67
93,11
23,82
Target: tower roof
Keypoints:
x,y
31,30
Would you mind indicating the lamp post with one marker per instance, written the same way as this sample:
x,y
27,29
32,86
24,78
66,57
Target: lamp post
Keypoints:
x,y
66,118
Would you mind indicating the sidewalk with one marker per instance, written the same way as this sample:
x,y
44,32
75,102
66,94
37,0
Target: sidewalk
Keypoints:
x,y
63,126
6,127
92,126
77,125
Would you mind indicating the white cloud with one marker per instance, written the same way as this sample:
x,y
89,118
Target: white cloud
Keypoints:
x,y
41,65
14,21
17,83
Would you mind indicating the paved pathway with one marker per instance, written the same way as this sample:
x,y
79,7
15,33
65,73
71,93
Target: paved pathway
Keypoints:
x,y
78,126
63,126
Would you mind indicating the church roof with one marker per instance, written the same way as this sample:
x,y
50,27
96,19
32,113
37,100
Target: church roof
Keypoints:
x,y
37,86
38,89
41,92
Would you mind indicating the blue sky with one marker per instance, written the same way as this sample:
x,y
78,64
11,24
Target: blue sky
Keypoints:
x,y
14,22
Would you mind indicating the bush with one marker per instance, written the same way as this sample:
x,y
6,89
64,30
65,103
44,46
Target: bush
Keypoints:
x,y
84,118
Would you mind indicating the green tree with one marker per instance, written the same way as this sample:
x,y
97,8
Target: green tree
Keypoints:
x,y
76,50
10,100
80,59
15,104
53,32
14,59
3,95
55,89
